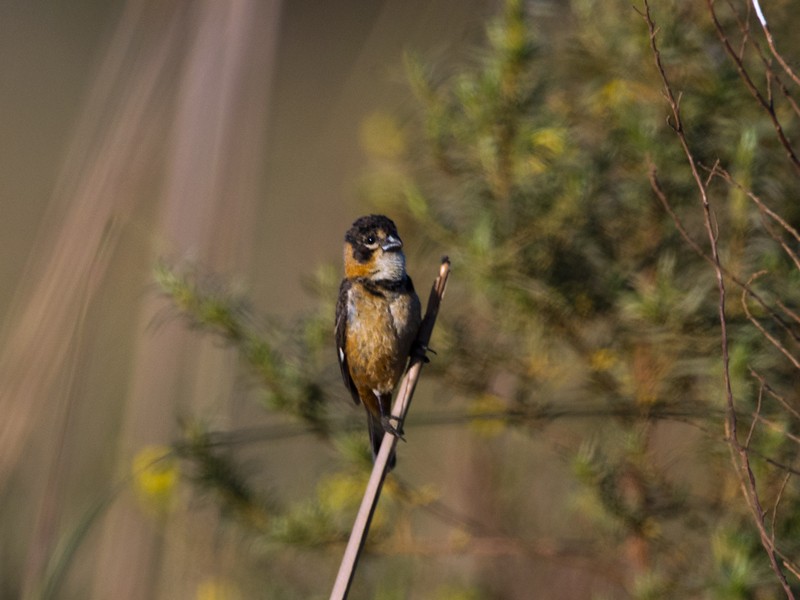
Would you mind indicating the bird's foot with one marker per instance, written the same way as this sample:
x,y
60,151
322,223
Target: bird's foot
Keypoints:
x,y
420,351
388,427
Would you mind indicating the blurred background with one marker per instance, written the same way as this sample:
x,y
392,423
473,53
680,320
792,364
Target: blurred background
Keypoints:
x,y
176,181
221,133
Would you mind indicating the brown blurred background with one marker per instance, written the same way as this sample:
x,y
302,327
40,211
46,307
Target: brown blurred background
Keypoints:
x,y
224,133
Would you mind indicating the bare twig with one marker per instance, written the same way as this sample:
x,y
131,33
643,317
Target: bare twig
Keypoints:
x,y
358,535
792,568
788,407
744,27
765,211
655,184
771,338
771,44
793,314
777,427
739,452
765,103
756,418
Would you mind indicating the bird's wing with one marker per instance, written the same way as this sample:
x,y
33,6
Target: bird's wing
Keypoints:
x,y
341,338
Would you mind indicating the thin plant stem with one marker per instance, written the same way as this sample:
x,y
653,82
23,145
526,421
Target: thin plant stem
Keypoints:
x,y
369,502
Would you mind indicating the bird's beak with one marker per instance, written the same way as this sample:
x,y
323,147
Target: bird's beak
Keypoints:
x,y
391,243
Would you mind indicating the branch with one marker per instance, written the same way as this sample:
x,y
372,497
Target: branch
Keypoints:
x,y
771,44
739,452
765,211
358,535
771,338
763,382
744,27
765,103
655,185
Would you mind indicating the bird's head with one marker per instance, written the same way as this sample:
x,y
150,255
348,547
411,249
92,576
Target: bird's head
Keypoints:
x,y
373,250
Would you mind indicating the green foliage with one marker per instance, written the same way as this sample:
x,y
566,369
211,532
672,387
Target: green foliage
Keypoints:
x,y
573,283
281,359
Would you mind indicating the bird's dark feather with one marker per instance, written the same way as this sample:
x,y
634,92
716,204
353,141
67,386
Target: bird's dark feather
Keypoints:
x,y
377,287
341,338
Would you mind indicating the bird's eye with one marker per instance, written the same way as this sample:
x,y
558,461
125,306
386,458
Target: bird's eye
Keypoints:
x,y
370,240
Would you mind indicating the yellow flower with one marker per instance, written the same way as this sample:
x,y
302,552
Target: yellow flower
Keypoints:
x,y
382,137
483,408
215,589
603,360
341,491
550,139
155,477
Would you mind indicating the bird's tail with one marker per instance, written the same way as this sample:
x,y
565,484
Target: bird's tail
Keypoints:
x,y
376,433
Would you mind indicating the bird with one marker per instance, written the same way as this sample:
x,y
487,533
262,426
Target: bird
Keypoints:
x,y
378,316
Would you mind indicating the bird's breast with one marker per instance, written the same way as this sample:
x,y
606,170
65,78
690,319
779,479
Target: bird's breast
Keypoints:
x,y
380,331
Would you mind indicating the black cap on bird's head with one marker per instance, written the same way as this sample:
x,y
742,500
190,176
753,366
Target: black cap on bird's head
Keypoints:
x,y
374,231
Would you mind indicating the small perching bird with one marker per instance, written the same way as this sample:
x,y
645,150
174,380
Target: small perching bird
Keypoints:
x,y
377,319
